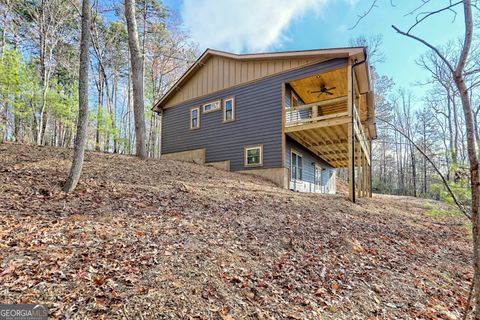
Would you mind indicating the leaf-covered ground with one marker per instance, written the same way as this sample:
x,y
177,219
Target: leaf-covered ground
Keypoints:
x,y
171,240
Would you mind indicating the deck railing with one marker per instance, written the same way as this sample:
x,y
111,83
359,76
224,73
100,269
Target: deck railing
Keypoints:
x,y
360,132
308,113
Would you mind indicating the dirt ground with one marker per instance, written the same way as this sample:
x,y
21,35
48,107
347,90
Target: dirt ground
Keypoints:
x,y
170,240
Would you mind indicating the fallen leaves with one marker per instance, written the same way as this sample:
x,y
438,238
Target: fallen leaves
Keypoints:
x,y
149,239
99,281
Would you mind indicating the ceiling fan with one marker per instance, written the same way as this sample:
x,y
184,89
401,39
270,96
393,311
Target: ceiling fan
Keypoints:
x,y
324,90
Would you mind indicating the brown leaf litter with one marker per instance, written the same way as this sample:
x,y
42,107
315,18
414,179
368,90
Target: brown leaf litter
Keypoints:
x,y
170,240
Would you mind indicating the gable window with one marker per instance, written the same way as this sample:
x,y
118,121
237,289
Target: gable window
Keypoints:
x,y
229,109
195,118
211,106
296,166
254,156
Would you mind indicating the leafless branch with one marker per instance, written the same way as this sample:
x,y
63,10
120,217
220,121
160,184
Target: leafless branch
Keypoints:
x,y
363,15
447,63
424,2
426,15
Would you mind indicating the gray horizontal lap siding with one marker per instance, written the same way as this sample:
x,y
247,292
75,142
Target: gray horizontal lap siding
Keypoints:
x,y
258,120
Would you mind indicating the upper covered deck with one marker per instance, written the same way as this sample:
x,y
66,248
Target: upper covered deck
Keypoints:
x,y
332,114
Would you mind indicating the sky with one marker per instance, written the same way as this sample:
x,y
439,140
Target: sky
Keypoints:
x,y
246,26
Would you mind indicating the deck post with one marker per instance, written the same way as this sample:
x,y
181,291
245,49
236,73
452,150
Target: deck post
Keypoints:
x,y
369,179
351,135
365,175
364,181
360,170
370,169
365,178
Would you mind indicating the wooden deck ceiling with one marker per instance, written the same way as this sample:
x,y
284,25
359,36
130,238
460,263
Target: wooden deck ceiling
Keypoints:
x,y
328,140
322,123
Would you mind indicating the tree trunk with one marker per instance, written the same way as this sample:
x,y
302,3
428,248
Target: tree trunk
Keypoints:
x,y
44,75
472,152
114,114
99,110
475,186
137,79
81,136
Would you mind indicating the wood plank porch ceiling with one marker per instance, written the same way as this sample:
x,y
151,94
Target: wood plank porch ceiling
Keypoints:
x,y
337,79
329,143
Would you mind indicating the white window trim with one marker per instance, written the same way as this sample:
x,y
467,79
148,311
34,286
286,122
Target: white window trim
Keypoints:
x,y
259,146
198,118
225,110
292,151
218,102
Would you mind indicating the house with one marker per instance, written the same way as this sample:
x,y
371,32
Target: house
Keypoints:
x,y
291,117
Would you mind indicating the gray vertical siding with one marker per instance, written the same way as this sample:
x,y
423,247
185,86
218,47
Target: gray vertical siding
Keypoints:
x,y
258,120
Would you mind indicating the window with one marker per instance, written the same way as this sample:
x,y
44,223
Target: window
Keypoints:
x,y
229,109
296,166
211,106
294,100
195,118
254,156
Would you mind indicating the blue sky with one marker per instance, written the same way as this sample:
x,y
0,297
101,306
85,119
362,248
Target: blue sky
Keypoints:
x,y
278,25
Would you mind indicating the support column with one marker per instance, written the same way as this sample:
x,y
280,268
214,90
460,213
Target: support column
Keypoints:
x,y
359,170
370,169
365,178
351,136
369,181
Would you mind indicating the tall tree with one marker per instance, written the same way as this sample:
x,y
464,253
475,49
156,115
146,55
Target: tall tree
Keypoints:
x,y
81,137
136,58
457,71
48,23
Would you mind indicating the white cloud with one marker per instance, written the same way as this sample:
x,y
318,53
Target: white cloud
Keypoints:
x,y
244,25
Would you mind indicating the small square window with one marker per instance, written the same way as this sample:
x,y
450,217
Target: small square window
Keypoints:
x,y
229,109
254,156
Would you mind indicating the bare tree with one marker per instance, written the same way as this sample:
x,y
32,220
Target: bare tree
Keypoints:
x,y
457,71
49,23
81,137
136,58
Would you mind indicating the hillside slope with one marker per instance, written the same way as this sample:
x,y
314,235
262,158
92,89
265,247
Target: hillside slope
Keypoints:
x,y
170,240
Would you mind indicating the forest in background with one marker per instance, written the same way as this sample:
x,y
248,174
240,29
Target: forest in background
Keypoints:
x,y
39,61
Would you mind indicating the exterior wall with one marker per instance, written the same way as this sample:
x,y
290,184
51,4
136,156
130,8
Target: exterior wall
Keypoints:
x,y
328,184
221,165
195,156
219,73
258,120
277,175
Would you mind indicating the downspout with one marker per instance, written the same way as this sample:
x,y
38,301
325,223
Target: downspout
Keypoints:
x,y
353,120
